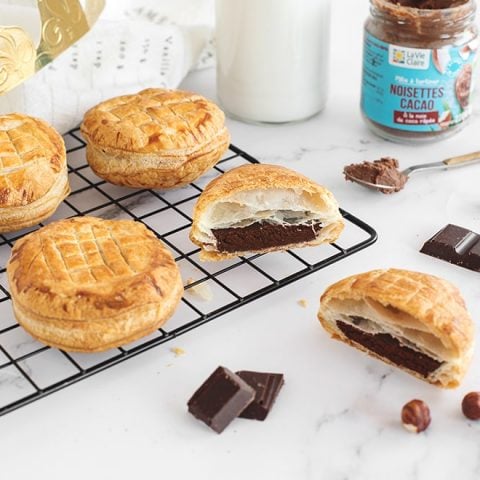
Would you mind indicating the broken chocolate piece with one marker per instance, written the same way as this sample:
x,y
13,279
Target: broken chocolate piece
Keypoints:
x,y
456,245
267,386
379,172
261,235
220,399
390,348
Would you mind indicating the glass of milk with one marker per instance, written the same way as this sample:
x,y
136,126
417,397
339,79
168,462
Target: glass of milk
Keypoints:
x,y
272,58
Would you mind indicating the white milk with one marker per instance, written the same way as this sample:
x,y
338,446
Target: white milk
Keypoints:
x,y
272,58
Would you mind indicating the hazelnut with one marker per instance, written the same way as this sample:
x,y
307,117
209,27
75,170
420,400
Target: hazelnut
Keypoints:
x,y
471,405
416,416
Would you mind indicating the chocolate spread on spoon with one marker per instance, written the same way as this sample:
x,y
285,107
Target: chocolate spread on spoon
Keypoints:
x,y
379,172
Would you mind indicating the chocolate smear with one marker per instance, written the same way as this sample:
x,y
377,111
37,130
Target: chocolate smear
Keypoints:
x,y
463,86
429,4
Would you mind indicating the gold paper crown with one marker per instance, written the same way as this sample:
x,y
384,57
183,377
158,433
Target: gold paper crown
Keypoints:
x,y
63,23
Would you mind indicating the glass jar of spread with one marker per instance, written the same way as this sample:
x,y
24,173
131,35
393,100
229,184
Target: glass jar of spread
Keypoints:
x,y
418,61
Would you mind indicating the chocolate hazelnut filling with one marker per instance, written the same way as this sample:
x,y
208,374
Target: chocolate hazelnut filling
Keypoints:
x,y
390,348
379,172
262,235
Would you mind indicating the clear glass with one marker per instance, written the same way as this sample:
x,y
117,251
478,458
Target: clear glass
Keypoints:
x,y
272,58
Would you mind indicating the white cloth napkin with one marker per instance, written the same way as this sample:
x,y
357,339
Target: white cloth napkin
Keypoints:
x,y
135,44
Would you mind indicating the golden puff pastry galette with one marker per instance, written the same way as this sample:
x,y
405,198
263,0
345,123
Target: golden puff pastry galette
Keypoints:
x,y
87,284
156,138
263,208
411,320
33,171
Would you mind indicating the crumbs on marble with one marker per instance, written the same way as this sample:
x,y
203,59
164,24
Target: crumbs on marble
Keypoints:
x,y
303,303
178,351
201,291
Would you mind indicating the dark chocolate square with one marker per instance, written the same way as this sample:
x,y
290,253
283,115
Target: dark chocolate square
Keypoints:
x,y
456,245
267,386
220,399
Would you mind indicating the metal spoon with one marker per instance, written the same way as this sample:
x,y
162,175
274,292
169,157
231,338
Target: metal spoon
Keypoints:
x,y
446,164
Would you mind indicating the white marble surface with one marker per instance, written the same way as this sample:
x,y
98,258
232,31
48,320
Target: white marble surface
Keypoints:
x,y
338,414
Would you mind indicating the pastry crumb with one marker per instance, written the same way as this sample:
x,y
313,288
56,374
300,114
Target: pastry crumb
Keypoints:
x,y
202,290
303,303
178,351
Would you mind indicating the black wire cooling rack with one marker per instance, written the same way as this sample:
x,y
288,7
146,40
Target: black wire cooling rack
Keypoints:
x,y
30,370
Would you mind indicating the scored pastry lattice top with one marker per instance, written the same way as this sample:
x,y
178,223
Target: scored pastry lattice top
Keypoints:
x,y
431,300
90,263
32,156
154,120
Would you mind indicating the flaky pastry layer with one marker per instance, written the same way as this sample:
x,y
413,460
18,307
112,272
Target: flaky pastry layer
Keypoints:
x,y
17,218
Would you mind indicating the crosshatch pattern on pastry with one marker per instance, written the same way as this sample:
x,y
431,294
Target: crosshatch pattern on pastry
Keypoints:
x,y
32,155
154,120
92,256
87,268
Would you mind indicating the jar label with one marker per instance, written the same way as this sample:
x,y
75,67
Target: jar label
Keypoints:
x,y
415,89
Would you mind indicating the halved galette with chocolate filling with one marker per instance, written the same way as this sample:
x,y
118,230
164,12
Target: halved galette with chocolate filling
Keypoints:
x,y
414,321
263,208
